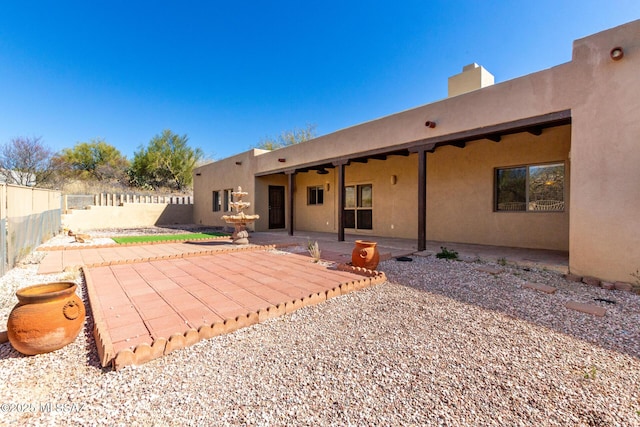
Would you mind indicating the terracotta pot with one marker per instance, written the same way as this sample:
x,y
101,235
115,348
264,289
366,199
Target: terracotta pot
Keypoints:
x,y
46,318
365,254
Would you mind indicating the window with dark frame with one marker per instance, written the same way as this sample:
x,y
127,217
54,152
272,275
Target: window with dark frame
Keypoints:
x,y
216,201
358,212
227,200
530,188
315,195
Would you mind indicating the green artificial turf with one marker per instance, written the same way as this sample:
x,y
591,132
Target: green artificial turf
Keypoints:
x,y
165,237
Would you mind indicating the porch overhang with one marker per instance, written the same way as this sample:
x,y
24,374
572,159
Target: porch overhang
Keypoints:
x,y
534,125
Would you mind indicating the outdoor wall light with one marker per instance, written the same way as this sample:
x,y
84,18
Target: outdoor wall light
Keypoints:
x,y
430,124
328,187
394,179
282,160
616,53
238,163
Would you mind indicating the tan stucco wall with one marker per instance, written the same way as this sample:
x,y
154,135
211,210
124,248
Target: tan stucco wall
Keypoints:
x,y
394,205
605,214
128,215
604,98
532,95
261,199
472,77
219,176
460,190
319,217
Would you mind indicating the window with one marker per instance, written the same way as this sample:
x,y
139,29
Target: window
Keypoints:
x,y
227,200
358,212
315,195
216,201
531,188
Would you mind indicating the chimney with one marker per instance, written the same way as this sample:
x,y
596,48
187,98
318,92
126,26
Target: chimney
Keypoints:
x,y
472,77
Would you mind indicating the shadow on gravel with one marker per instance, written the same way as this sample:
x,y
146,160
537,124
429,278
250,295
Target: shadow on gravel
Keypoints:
x,y
208,242
92,357
618,330
8,352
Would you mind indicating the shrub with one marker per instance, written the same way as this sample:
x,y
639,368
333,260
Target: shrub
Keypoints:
x,y
446,253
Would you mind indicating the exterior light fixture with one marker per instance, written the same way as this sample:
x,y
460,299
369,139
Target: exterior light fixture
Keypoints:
x,y
282,160
394,179
238,163
430,124
616,53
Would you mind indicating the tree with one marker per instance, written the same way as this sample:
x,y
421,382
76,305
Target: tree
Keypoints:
x,y
288,137
26,161
167,161
93,160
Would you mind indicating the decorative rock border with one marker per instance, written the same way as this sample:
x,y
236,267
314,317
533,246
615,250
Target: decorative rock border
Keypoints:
x,y
161,346
594,281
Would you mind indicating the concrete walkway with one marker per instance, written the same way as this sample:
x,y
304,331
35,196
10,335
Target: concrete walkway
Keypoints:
x,y
394,247
332,250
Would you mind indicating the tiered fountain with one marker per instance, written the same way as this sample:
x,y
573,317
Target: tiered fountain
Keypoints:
x,y
239,219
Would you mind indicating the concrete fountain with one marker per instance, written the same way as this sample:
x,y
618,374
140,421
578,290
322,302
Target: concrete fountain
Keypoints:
x,y
239,219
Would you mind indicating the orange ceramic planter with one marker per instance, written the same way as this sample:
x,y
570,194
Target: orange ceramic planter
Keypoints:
x,y
365,254
46,318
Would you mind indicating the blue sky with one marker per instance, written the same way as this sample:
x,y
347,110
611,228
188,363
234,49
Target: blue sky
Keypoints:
x,y
228,74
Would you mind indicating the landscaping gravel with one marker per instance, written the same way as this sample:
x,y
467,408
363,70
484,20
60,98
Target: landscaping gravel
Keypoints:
x,y
441,343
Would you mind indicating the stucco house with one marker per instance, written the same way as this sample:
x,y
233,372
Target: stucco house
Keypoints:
x,y
548,160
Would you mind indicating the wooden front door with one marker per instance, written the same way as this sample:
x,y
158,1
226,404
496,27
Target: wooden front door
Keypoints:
x,y
276,206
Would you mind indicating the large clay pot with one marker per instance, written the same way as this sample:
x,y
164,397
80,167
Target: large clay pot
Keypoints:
x,y
365,254
46,318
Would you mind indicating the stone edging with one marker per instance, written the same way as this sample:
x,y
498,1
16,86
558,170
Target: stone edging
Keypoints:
x,y
103,341
610,286
184,255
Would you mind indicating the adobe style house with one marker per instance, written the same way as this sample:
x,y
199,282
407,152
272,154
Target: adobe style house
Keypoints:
x,y
548,160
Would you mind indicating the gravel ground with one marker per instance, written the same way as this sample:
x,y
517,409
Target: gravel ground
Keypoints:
x,y
439,344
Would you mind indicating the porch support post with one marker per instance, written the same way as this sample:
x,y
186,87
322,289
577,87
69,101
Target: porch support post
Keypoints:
x,y
340,168
422,198
290,175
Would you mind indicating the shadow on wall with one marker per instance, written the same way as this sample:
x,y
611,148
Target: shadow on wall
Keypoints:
x,y
129,215
175,214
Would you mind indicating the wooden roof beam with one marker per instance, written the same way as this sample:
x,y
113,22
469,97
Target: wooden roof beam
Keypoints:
x,y
537,131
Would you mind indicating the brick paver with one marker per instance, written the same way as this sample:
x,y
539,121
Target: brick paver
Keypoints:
x,y
586,308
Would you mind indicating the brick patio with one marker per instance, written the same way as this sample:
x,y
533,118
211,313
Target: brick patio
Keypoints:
x,y
148,300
